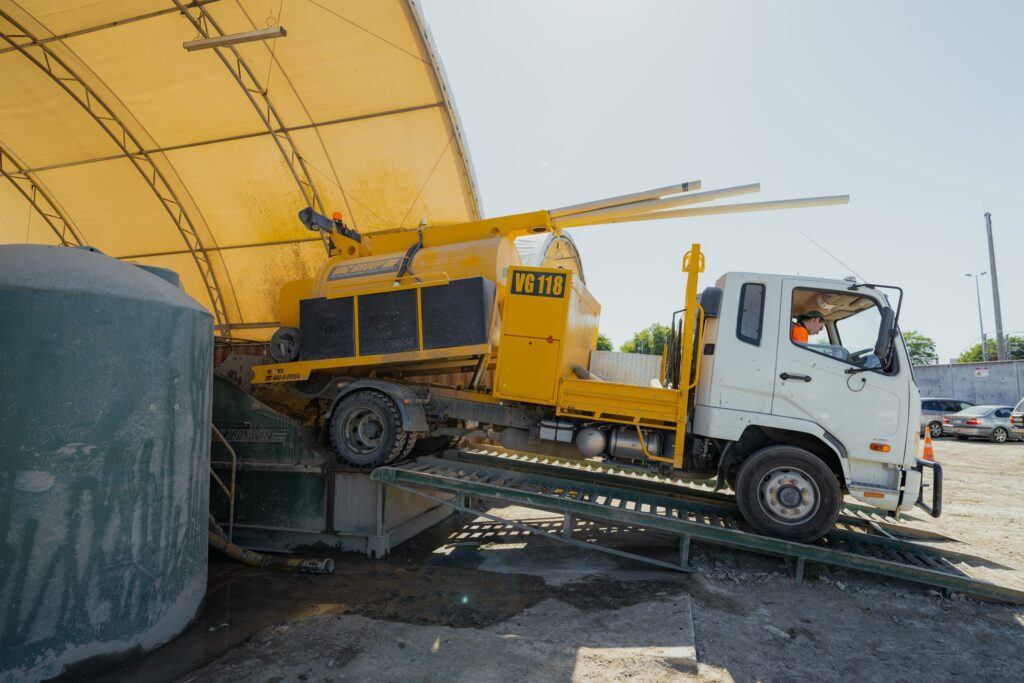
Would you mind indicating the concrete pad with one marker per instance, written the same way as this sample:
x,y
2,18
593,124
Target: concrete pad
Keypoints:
x,y
653,641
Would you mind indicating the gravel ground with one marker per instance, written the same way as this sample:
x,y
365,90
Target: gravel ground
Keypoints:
x,y
475,600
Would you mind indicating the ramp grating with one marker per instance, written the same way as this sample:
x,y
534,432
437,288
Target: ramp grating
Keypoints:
x,y
657,505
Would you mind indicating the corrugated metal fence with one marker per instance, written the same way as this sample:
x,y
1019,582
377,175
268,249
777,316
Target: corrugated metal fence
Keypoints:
x,y
983,383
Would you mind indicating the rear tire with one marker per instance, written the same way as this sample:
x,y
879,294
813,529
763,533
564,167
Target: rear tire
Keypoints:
x,y
999,435
935,428
366,430
789,493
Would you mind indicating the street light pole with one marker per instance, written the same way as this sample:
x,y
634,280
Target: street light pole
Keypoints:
x,y
1001,353
981,324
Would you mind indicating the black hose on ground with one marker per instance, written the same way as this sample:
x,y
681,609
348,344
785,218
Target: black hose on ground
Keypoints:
x,y
219,540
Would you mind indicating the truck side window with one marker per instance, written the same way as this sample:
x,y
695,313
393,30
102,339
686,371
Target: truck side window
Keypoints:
x,y
842,325
751,317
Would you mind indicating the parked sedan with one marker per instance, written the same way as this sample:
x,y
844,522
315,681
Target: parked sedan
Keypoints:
x,y
986,422
934,409
1017,421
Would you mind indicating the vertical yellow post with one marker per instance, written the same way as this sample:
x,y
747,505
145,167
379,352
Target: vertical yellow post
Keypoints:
x,y
693,265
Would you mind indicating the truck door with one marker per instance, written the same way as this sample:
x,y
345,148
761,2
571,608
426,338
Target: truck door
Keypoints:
x,y
834,379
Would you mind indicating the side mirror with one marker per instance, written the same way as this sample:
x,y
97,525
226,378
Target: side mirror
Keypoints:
x,y
886,331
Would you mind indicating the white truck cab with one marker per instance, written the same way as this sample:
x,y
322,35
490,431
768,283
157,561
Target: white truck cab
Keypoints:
x,y
832,395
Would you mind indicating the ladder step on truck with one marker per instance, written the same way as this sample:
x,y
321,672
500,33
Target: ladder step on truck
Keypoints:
x,y
604,493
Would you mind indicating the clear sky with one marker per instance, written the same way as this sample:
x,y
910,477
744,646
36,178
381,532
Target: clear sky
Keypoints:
x,y
915,109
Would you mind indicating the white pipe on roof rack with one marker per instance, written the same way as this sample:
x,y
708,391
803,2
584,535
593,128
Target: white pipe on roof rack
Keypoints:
x,y
807,202
637,208
625,199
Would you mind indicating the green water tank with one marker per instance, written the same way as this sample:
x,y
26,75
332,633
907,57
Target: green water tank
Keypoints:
x,y
105,410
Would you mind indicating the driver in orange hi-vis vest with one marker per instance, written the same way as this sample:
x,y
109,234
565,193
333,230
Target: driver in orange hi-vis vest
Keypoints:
x,y
806,324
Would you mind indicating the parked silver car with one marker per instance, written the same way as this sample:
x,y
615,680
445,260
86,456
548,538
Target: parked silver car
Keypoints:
x,y
934,409
987,422
1017,420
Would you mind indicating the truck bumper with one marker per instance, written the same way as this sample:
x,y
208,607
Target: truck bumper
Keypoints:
x,y
935,508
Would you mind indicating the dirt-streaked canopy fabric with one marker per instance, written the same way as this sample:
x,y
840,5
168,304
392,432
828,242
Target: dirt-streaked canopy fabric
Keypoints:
x,y
113,135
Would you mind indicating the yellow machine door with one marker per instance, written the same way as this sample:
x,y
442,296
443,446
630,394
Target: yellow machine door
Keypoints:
x,y
527,369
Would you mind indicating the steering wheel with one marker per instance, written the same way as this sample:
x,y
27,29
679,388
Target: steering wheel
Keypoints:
x,y
858,356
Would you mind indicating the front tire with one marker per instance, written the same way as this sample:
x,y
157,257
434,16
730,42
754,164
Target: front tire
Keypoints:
x,y
789,493
366,430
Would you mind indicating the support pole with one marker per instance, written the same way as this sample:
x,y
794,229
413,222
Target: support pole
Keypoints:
x,y
798,572
1001,353
684,551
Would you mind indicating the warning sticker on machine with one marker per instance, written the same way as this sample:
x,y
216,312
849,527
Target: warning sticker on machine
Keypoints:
x,y
539,284
347,270
263,374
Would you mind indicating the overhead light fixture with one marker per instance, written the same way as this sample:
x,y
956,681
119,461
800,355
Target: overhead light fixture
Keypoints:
x,y
235,38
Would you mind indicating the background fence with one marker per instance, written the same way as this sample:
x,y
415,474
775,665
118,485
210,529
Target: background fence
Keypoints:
x,y
982,383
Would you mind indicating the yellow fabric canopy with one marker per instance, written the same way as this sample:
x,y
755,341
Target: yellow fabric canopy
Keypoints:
x,y
113,135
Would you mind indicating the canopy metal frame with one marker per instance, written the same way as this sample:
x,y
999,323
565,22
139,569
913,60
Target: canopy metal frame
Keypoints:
x,y
258,95
39,198
93,104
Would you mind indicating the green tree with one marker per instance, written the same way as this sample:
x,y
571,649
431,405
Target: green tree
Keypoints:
x,y
1014,346
649,340
921,348
604,343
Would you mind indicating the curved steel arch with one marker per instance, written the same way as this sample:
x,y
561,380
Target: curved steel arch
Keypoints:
x,y
254,90
35,194
64,76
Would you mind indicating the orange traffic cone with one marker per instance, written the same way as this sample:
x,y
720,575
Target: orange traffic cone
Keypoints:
x,y
929,452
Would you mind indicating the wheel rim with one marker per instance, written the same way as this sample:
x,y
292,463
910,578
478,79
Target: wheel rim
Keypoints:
x,y
364,431
936,429
999,435
789,495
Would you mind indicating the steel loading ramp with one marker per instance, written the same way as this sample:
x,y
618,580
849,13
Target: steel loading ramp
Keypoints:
x,y
599,493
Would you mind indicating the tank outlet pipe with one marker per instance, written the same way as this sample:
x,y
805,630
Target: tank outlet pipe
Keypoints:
x,y
584,373
254,559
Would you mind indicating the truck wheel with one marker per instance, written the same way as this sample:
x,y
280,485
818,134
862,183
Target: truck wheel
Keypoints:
x,y
789,493
998,435
366,430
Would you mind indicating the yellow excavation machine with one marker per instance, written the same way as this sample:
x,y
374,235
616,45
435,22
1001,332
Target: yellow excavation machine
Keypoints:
x,y
410,340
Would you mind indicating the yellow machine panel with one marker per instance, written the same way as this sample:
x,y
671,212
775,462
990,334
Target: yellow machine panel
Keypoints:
x,y
527,369
580,338
540,302
288,306
550,325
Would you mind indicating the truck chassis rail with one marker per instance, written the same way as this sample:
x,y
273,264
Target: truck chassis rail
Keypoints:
x,y
597,493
